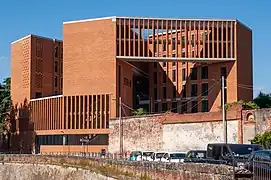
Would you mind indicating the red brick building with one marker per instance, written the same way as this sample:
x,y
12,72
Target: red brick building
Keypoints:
x,y
159,64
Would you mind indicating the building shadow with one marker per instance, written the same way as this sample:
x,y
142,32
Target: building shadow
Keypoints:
x,y
20,136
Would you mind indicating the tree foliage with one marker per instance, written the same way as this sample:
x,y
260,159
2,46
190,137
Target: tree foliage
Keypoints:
x,y
5,102
245,105
140,112
263,100
263,139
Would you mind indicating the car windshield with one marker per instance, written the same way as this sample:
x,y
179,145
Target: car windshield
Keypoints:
x,y
177,156
243,150
147,153
136,153
159,155
200,154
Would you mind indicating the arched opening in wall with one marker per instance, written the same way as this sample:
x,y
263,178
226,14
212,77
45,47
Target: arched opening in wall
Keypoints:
x,y
250,117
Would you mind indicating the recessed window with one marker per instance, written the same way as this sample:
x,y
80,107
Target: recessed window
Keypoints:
x,y
56,52
164,107
56,67
164,77
183,74
174,75
194,73
155,46
204,72
204,106
56,81
194,90
156,107
164,45
164,92
155,93
184,107
173,44
155,77
61,82
38,95
184,91
183,41
164,64
174,92
174,107
204,89
194,108
193,40
155,64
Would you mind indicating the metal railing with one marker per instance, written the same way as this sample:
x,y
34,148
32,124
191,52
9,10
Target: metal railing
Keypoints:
x,y
261,169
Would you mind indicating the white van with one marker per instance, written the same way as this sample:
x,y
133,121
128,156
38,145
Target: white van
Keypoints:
x,y
173,157
157,156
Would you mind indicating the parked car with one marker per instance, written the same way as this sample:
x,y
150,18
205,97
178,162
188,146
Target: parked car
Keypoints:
x,y
195,156
135,155
259,161
141,156
231,154
157,156
173,157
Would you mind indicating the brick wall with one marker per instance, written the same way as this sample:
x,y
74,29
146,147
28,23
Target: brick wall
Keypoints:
x,y
173,132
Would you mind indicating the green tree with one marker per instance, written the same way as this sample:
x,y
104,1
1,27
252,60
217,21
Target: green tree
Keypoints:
x,y
263,139
140,112
5,100
263,100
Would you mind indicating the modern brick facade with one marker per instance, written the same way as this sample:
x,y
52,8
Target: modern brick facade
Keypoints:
x,y
158,64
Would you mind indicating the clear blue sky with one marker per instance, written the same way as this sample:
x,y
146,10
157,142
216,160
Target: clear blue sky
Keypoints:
x,y
20,18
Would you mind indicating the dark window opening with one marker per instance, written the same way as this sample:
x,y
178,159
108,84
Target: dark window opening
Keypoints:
x,y
56,67
173,44
164,45
194,73
164,107
194,107
38,95
155,93
204,89
164,92
174,92
204,72
155,65
56,81
56,51
183,74
193,40
174,107
174,75
204,106
194,90
184,91
156,107
184,107
164,77
155,77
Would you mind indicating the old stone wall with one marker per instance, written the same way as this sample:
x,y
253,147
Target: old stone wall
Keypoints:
x,y
40,167
17,171
143,133
255,122
187,136
153,133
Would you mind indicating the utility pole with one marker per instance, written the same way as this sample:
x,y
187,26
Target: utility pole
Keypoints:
x,y
223,109
120,125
